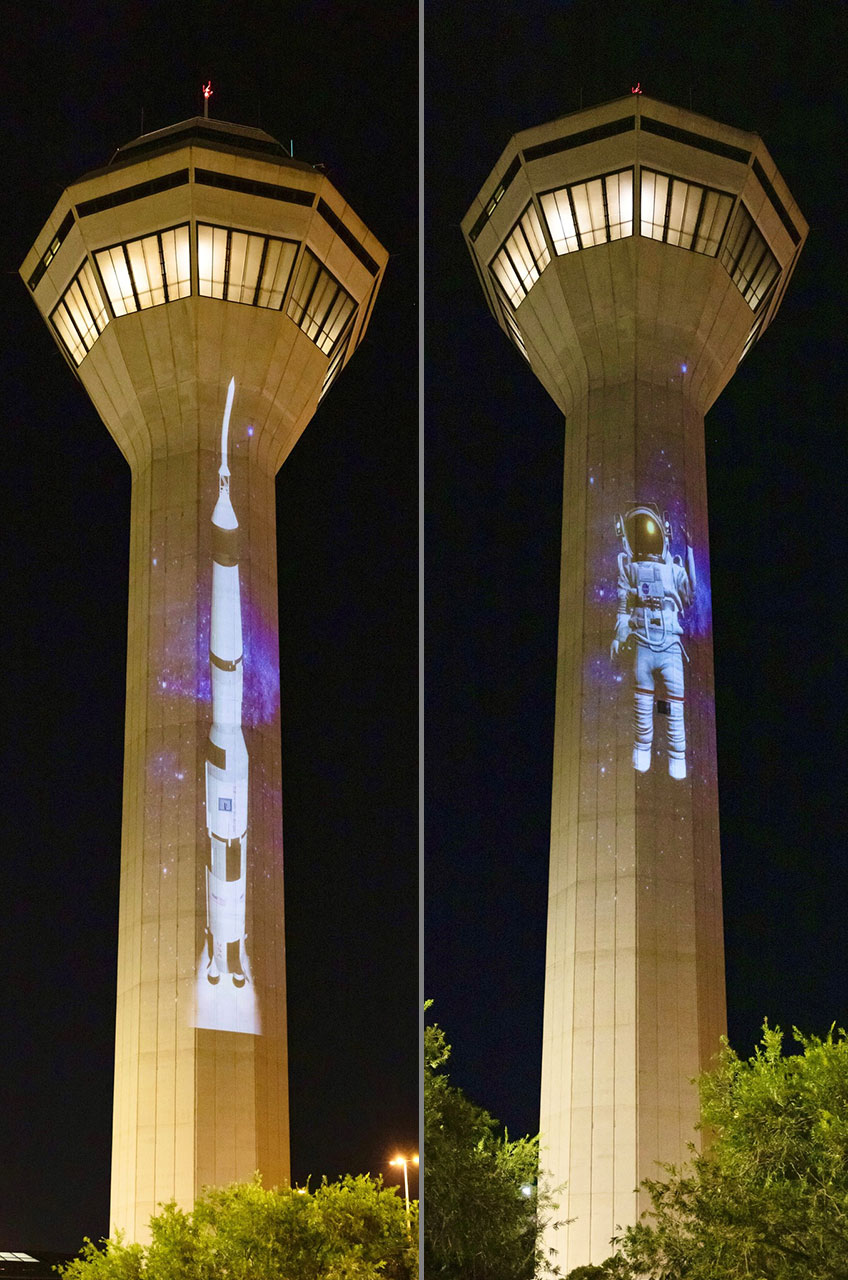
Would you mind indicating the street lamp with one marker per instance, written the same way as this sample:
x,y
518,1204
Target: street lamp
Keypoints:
x,y
404,1160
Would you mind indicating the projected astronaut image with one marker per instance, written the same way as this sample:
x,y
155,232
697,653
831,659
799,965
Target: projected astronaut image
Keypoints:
x,y
655,587
225,996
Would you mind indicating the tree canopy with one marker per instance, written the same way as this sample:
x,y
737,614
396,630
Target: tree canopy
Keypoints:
x,y
482,1219
768,1199
353,1229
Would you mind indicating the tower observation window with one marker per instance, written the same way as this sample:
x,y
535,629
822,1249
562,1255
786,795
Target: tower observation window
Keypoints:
x,y
521,258
752,266
80,316
589,213
683,213
146,272
243,267
319,304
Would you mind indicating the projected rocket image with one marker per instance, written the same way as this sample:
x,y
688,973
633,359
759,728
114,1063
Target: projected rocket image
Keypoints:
x,y
654,589
225,996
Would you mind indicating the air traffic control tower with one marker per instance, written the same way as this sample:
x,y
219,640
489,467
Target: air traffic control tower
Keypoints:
x,y
633,253
206,289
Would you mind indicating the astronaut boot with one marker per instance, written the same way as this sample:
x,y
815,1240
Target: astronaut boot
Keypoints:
x,y
676,740
643,725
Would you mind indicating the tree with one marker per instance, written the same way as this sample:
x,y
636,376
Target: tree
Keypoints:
x,y
768,1199
483,1218
353,1229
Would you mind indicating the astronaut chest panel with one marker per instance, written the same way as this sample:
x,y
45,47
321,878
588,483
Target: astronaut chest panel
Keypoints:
x,y
656,608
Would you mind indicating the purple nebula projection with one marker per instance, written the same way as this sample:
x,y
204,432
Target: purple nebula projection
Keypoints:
x,y
261,703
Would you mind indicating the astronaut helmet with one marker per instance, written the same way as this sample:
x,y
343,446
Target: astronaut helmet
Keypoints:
x,y
645,533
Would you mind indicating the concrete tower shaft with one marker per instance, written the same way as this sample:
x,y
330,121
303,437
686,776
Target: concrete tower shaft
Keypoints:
x,y
632,253
202,255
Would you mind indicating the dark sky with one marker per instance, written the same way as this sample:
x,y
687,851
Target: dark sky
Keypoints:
x,y
776,457
341,80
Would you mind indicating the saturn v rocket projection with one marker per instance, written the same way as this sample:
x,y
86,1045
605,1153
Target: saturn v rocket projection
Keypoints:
x,y
224,960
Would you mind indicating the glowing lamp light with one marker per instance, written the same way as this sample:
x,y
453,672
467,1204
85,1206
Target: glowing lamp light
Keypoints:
x,y
636,88
250,431
650,526
208,90
405,1161
683,368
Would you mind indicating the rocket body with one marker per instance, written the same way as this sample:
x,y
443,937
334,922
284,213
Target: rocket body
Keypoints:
x,y
226,754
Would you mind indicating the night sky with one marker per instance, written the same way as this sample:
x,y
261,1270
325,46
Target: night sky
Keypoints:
x,y
341,80
777,465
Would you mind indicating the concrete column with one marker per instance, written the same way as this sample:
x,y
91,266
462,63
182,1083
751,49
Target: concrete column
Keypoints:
x,y
195,1105
634,983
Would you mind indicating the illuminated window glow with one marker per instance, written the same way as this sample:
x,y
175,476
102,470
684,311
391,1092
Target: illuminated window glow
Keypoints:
x,y
146,272
589,213
81,315
521,258
683,213
242,267
752,266
319,304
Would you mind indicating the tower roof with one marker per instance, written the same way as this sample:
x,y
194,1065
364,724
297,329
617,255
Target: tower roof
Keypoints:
x,y
222,135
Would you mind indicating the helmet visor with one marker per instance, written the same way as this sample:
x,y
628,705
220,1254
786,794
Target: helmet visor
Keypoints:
x,y
644,535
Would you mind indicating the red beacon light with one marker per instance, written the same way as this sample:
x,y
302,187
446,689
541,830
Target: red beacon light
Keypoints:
x,y
637,87
207,94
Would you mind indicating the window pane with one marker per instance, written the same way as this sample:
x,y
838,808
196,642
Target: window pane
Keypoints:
x,y
235,275
306,278
747,257
93,297
70,338
507,278
252,263
319,304
80,314
211,260
532,229
676,206
557,213
146,267
713,221
176,256
279,261
335,321
597,220
204,261
654,199
116,278
620,204
522,257
333,367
